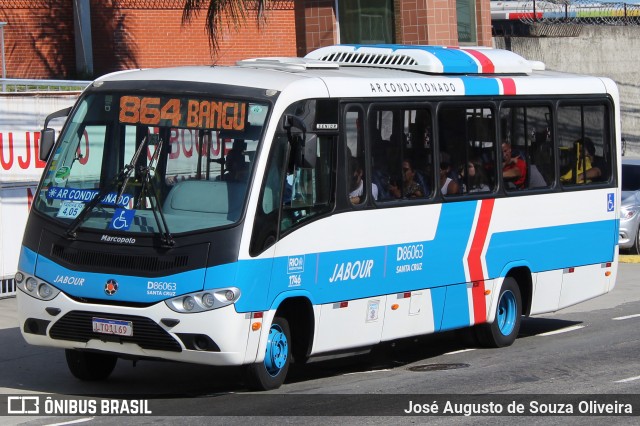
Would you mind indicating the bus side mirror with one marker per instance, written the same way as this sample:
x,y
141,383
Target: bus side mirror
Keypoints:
x,y
48,136
47,139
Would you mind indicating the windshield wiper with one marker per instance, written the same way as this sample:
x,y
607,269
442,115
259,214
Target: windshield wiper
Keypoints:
x,y
149,188
122,176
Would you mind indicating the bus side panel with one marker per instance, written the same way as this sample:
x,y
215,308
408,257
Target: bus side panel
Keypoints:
x,y
546,291
456,307
583,283
350,324
438,297
414,314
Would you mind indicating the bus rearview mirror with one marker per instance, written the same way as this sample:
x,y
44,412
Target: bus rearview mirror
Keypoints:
x,y
47,139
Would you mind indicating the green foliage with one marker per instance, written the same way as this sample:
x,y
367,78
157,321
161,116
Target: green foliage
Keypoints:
x,y
217,10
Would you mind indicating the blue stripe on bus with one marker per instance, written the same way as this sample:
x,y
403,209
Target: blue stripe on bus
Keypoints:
x,y
480,86
453,60
366,272
456,308
27,261
555,247
130,288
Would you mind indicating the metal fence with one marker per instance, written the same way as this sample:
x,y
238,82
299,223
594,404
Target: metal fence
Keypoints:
x,y
567,12
19,85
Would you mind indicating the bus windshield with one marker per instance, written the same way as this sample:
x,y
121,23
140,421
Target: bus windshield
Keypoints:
x,y
152,163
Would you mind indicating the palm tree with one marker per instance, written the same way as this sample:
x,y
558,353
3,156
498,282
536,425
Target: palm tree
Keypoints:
x,y
234,10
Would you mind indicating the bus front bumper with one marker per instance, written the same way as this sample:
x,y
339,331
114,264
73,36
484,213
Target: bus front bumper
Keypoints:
x,y
216,337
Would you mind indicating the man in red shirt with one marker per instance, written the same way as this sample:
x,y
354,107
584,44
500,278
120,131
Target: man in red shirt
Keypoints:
x,y
514,169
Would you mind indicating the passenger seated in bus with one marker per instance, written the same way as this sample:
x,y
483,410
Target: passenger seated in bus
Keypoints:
x,y
380,171
448,185
473,178
410,187
536,180
514,168
235,162
588,168
356,188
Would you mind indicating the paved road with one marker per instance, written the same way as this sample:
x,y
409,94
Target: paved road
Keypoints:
x,y
591,348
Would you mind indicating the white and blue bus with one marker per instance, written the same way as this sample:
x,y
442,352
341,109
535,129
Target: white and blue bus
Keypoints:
x,y
284,209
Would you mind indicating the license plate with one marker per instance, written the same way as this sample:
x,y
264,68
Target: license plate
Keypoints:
x,y
70,209
110,326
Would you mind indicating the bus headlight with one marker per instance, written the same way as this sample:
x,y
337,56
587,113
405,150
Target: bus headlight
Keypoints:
x,y
208,300
35,287
204,300
31,284
44,291
188,303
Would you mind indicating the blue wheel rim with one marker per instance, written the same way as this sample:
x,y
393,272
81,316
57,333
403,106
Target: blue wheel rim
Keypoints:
x,y
277,351
507,312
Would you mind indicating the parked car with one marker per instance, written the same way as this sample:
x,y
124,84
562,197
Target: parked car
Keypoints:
x,y
630,206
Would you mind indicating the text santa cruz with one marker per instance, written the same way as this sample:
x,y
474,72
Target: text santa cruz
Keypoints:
x,y
412,87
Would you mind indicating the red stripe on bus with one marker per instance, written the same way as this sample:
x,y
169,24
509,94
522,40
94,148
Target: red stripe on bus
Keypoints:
x,y
474,261
508,86
486,66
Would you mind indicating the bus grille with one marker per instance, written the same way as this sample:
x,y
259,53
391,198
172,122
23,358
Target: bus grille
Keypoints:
x,y
76,326
126,262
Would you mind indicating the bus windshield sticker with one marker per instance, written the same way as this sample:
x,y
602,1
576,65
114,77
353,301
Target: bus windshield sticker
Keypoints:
x,y
85,195
62,174
183,112
122,219
70,209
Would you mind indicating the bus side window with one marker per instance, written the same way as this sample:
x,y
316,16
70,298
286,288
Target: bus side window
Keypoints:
x,y
265,226
402,152
528,130
358,183
584,144
467,144
308,186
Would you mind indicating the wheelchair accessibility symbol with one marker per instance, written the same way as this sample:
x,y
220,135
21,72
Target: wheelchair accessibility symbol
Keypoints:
x,y
611,202
122,219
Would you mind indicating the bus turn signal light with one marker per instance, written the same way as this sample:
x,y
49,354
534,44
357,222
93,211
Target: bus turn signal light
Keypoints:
x,y
256,326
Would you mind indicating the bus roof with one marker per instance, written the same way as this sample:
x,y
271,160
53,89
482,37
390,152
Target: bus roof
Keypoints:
x,y
386,70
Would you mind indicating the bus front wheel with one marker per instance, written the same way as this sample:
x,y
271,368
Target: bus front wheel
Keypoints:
x,y
90,366
270,373
506,324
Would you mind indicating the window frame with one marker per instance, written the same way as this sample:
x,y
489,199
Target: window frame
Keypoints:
x,y
609,132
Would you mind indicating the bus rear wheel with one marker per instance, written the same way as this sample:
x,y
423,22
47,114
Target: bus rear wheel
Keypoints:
x,y
90,366
270,373
506,324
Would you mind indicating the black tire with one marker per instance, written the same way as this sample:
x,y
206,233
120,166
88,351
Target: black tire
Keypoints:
x,y
90,366
271,373
635,249
506,324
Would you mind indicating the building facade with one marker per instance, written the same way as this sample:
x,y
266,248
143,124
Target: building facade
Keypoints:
x,y
83,39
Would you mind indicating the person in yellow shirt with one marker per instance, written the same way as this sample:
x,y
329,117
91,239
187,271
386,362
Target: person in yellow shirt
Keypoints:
x,y
586,167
